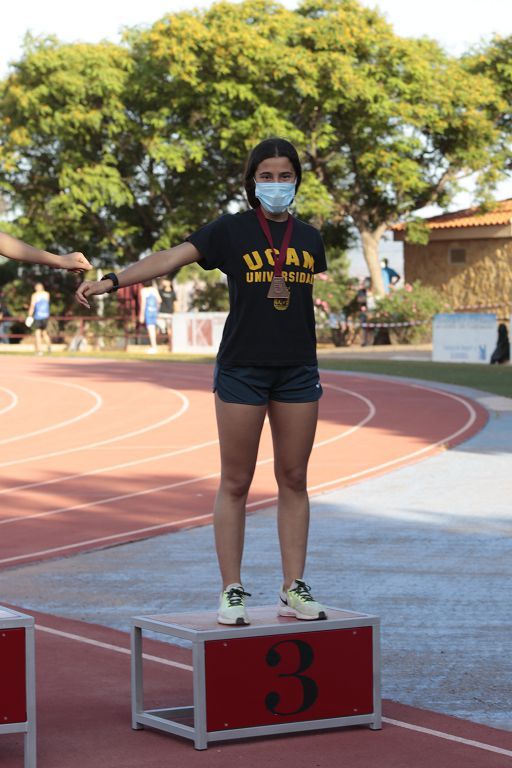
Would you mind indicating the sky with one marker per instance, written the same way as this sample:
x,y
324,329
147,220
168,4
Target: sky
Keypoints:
x,y
456,24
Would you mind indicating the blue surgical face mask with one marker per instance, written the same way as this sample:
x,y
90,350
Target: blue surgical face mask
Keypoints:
x,y
275,196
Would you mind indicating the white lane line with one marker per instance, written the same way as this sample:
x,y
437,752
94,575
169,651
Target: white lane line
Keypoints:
x,y
12,404
160,456
97,405
113,537
189,668
110,647
179,523
103,469
171,486
386,464
135,462
110,440
471,420
174,523
448,736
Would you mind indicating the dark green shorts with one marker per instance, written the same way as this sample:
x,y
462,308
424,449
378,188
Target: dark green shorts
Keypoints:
x,y
256,385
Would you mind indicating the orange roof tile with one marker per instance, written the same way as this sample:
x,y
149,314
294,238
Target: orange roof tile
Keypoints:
x,y
501,214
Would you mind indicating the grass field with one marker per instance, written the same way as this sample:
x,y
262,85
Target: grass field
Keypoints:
x,y
490,378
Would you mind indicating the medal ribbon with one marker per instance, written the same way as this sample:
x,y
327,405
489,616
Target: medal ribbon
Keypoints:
x,y
280,259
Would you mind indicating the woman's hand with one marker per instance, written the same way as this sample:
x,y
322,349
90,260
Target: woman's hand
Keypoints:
x,y
91,288
74,262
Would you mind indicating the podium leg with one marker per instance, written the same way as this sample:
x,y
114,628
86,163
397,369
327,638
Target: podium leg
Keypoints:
x,y
137,678
200,738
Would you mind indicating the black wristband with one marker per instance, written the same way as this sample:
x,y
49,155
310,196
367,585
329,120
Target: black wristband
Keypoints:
x,y
115,282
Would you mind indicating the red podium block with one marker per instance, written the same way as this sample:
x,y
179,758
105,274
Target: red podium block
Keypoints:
x,y
17,679
275,675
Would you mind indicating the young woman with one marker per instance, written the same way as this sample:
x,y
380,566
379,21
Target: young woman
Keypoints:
x,y
148,313
20,251
266,363
166,311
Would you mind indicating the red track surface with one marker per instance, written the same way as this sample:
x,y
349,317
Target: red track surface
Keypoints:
x,y
95,453
83,698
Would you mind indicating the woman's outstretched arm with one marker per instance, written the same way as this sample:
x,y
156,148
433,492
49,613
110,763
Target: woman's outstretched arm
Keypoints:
x,y
155,265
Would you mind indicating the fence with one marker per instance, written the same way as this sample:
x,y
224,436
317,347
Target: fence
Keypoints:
x,y
78,333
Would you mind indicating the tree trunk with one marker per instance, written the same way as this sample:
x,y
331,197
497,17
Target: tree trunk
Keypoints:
x,y
370,240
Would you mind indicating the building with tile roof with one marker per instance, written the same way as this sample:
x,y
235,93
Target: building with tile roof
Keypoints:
x,y
468,257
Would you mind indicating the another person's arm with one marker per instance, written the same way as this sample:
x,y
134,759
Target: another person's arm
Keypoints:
x,y
155,265
20,251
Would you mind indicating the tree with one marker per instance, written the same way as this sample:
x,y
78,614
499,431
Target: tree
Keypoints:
x,y
134,146
387,124
62,118
494,60
392,124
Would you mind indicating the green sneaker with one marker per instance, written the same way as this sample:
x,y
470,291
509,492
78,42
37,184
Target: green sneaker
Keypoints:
x,y
232,607
298,601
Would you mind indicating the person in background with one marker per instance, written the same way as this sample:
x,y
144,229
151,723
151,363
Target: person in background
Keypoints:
x,y
502,352
4,327
166,312
148,313
367,305
389,277
15,249
40,312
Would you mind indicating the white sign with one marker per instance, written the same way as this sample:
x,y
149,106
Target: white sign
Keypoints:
x,y
197,333
464,338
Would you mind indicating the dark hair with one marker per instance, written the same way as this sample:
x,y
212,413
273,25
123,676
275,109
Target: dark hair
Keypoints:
x,y
269,148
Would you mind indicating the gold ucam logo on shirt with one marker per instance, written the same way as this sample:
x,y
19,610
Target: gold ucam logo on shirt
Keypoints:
x,y
258,271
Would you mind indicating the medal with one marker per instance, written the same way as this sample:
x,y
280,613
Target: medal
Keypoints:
x,y
282,303
278,291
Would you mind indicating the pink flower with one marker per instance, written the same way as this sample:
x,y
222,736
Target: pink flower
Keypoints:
x,y
408,287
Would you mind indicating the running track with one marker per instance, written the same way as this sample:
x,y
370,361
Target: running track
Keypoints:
x,y
96,453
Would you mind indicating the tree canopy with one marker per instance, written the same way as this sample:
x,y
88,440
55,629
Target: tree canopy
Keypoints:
x,y
119,149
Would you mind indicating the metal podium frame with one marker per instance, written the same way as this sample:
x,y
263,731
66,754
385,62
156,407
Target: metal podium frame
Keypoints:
x,y
10,619
185,626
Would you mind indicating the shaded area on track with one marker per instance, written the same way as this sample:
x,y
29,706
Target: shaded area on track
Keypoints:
x,y
146,461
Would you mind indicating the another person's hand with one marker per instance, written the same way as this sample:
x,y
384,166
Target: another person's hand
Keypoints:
x,y
74,262
91,288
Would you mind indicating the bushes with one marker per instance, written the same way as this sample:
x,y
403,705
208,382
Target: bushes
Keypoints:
x,y
342,307
414,306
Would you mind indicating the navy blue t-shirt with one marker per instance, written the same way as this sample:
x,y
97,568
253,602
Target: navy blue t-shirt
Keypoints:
x,y
255,332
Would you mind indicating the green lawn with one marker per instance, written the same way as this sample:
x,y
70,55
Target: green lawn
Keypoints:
x,y
490,378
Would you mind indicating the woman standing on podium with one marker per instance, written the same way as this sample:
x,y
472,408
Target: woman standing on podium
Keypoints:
x,y
266,364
